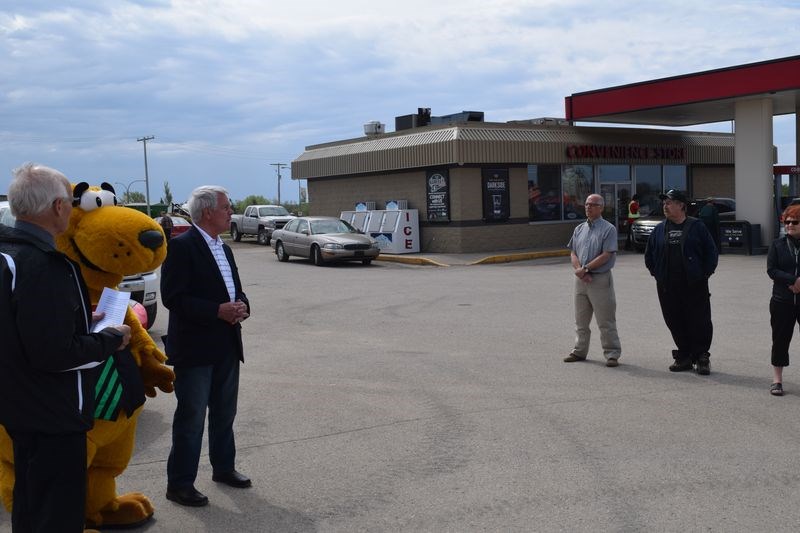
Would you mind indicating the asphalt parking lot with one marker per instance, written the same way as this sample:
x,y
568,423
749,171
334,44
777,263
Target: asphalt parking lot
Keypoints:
x,y
415,398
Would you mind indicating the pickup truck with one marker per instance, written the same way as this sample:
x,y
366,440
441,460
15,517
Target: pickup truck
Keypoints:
x,y
259,220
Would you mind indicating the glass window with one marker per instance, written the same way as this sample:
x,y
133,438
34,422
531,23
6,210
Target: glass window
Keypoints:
x,y
675,177
648,187
544,192
614,173
302,225
576,181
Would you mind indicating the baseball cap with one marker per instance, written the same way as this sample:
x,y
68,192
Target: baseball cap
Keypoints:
x,y
673,194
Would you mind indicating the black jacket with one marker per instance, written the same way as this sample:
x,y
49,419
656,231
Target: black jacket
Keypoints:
x,y
783,269
192,289
44,328
700,255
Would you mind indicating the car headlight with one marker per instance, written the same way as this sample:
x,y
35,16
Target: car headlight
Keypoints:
x,y
374,244
332,246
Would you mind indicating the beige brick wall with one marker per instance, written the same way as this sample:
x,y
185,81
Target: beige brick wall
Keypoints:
x,y
492,237
331,197
713,181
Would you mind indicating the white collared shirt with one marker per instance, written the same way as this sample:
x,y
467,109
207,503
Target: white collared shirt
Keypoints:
x,y
215,245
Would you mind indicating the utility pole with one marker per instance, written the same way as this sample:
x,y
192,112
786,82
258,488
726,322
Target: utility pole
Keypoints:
x,y
278,167
146,177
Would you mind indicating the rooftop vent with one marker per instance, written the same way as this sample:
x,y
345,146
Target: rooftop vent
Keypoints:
x,y
374,127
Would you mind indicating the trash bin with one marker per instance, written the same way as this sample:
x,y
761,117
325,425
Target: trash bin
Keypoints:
x,y
740,237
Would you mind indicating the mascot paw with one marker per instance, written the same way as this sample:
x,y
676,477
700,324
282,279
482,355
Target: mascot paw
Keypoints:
x,y
157,375
128,510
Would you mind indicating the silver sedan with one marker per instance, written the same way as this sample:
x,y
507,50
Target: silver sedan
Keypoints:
x,y
323,240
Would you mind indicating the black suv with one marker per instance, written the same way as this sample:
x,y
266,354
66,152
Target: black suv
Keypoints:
x,y
643,227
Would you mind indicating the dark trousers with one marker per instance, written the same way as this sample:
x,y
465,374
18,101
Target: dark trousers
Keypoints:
x,y
782,317
687,312
50,485
199,388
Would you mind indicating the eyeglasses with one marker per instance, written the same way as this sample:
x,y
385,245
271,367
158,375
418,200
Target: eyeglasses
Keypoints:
x,y
791,222
592,205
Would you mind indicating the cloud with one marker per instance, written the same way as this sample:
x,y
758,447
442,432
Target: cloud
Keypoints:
x,y
228,87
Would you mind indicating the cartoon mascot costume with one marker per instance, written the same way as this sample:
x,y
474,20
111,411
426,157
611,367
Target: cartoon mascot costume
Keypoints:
x,y
110,242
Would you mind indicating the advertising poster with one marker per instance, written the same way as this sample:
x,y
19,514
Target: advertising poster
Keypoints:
x,y
495,195
438,193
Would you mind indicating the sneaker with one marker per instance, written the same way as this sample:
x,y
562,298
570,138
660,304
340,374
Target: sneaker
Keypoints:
x,y
611,362
681,365
572,358
776,389
703,367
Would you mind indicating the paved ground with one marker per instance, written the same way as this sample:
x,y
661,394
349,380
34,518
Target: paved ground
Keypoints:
x,y
398,397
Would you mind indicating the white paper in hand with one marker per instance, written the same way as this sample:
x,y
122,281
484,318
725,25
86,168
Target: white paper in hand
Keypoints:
x,y
114,304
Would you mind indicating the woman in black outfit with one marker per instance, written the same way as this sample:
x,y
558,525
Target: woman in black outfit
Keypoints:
x,y
783,267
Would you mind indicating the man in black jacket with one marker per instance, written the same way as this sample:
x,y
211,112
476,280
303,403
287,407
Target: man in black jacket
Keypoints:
x,y
681,255
201,288
46,387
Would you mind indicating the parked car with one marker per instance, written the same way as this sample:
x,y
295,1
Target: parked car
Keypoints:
x,y
261,221
323,240
3,209
643,227
143,286
179,225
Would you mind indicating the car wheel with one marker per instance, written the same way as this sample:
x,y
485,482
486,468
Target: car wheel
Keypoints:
x,y
366,261
263,237
281,252
316,256
235,233
152,311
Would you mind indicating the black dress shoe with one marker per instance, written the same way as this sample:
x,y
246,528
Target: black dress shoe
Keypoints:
x,y
233,479
189,496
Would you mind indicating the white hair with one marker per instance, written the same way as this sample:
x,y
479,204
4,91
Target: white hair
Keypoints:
x,y
600,199
34,189
204,197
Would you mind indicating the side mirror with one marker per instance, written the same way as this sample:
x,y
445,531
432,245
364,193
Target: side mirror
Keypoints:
x,y
304,232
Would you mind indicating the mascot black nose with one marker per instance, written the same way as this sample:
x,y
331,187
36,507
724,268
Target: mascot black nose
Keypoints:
x,y
151,239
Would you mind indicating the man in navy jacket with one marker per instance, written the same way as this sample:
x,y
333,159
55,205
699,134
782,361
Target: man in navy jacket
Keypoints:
x,y
681,255
201,288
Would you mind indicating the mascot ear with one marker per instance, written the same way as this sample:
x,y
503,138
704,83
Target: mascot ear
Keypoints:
x,y
78,191
107,187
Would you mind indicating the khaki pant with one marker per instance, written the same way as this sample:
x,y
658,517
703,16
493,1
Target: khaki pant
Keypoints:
x,y
596,297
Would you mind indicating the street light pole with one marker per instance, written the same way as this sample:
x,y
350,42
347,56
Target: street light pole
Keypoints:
x,y
146,177
278,167
128,188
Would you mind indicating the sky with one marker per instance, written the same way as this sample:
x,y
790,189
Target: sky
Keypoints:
x,y
231,89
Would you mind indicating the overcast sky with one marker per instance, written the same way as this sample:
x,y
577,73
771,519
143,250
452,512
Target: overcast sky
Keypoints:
x,y
228,88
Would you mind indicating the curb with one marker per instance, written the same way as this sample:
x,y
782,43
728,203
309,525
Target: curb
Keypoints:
x,y
493,259
409,260
523,256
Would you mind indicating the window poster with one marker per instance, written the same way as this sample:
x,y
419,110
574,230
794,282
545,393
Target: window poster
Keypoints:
x,y
437,185
495,195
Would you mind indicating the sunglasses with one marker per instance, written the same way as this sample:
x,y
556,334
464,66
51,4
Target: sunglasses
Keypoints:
x,y
791,222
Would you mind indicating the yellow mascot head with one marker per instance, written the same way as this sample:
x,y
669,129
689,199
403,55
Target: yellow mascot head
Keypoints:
x,y
110,241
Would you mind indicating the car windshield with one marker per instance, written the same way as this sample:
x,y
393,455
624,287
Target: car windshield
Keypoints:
x,y
331,226
273,211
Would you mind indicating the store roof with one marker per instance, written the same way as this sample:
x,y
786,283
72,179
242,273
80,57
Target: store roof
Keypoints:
x,y
485,142
699,98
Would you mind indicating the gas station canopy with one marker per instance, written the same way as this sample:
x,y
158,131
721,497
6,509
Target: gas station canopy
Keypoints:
x,y
690,99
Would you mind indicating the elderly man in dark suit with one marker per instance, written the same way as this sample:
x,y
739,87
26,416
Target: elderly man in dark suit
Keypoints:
x,y
201,288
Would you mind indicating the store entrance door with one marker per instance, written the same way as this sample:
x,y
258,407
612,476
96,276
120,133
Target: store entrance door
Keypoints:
x,y
616,197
